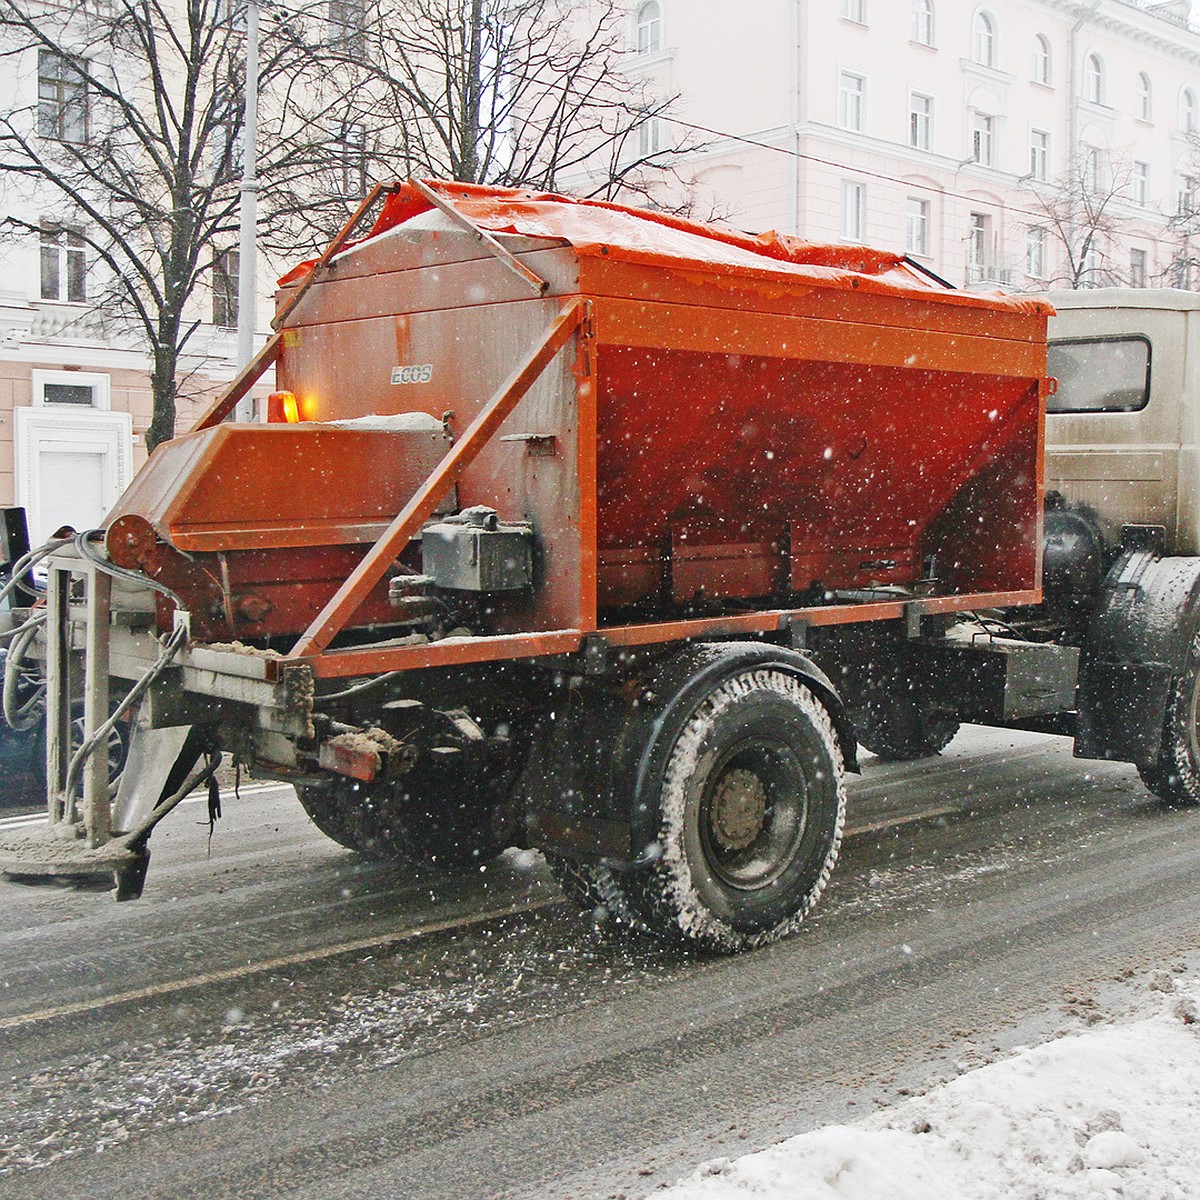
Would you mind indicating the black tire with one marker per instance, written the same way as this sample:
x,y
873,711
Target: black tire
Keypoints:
x,y
1175,778
432,816
750,805
898,725
594,887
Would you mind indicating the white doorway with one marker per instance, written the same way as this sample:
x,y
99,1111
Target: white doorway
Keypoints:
x,y
71,467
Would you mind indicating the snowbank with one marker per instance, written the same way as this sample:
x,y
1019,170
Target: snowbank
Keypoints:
x,y
1109,1112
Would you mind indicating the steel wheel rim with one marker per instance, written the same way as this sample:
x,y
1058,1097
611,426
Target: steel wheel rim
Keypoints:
x,y
753,813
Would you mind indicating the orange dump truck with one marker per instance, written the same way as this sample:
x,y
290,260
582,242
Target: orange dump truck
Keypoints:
x,y
570,526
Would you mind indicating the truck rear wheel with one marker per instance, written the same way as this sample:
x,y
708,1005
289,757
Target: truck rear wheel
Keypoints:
x,y
750,805
1175,778
433,816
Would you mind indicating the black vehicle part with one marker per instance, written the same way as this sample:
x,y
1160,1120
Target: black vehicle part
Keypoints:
x,y
1136,660
901,722
437,814
1175,776
1075,555
581,783
595,887
749,797
713,783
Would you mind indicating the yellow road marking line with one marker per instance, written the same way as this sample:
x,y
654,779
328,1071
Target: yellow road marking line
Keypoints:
x,y
273,964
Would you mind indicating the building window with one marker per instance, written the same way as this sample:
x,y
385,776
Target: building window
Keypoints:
x,y
916,226
352,160
225,289
851,92
1090,174
1187,110
920,121
1039,155
649,28
983,136
983,40
74,389
1041,59
64,264
1143,96
854,203
922,22
1090,269
1137,268
1035,253
1140,186
62,99
1093,79
855,10
347,25
1185,192
649,137
979,245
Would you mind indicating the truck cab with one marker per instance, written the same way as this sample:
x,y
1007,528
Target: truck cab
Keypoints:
x,y
1121,437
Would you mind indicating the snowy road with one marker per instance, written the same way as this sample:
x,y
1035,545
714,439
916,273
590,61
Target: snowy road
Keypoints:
x,y
279,1020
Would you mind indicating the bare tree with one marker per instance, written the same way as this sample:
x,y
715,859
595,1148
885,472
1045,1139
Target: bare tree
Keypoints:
x,y
132,143
512,92
1079,211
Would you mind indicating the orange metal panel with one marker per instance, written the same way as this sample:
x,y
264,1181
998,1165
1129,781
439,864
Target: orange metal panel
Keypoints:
x,y
379,558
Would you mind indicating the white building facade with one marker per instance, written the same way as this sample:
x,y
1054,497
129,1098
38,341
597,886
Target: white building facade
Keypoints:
x,y
1024,143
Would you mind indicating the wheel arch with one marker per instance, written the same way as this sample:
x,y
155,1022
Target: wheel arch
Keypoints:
x,y
586,783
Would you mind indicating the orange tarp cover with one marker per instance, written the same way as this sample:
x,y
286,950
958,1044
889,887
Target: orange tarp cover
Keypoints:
x,y
600,228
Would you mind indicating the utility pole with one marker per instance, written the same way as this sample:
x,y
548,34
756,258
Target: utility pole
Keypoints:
x,y
248,193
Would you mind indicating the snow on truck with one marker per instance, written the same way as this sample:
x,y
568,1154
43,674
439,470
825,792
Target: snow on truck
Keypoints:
x,y
593,530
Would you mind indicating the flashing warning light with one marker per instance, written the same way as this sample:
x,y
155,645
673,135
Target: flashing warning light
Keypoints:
x,y
282,408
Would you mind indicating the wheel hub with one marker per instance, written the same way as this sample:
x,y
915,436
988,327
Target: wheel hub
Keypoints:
x,y
739,808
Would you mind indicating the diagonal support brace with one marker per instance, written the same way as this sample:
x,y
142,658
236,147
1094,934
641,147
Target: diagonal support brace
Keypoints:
x,y
346,600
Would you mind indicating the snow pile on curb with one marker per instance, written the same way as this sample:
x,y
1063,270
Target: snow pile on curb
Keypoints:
x,y
1109,1112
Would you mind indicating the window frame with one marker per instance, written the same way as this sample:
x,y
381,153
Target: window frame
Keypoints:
x,y
921,22
858,210
846,95
984,39
225,288
1145,96
1095,78
854,11
100,383
70,259
1041,60
53,120
915,119
1039,154
1137,277
1187,110
983,137
1139,181
1035,236
651,26
916,221
1095,341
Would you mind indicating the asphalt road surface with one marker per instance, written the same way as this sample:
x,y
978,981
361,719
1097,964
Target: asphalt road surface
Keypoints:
x,y
275,1018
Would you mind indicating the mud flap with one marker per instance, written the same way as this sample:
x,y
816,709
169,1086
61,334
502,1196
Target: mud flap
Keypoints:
x,y
1138,641
152,754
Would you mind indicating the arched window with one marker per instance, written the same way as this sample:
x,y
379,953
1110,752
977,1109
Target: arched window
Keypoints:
x,y
922,22
1041,59
1143,96
1093,78
1187,110
983,39
649,28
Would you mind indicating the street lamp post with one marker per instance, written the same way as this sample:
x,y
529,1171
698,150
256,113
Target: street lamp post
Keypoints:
x,y
248,192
